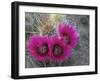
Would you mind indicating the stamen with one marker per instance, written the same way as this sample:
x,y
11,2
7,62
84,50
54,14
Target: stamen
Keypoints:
x,y
66,38
43,49
57,50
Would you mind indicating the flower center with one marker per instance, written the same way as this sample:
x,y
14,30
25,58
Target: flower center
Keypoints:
x,y
43,49
57,50
66,38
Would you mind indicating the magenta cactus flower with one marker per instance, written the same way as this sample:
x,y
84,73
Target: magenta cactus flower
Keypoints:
x,y
38,47
69,34
58,50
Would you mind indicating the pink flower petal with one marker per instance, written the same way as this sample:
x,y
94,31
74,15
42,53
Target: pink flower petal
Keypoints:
x,y
38,47
69,34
